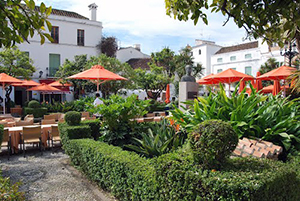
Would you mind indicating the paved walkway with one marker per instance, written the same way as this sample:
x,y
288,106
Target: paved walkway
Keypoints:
x,y
50,177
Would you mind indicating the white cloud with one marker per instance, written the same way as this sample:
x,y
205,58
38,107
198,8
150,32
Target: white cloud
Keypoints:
x,y
147,20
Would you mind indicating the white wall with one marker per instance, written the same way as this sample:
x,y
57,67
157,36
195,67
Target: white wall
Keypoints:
x,y
126,54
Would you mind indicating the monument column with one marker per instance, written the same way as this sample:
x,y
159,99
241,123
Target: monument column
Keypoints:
x,y
188,87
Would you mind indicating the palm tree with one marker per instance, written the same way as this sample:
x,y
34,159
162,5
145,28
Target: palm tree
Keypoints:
x,y
295,77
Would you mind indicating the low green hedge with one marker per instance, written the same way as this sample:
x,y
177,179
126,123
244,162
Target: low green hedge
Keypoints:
x,y
176,177
1,134
9,191
95,127
37,112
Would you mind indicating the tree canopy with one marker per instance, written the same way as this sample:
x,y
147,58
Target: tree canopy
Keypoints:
x,y
274,20
19,21
108,46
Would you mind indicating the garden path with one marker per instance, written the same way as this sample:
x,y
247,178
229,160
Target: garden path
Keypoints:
x,y
50,177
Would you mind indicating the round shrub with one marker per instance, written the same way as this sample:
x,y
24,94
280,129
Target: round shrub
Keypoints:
x,y
34,104
73,118
212,142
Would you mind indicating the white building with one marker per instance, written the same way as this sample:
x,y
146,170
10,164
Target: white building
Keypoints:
x,y
73,35
202,53
246,58
127,53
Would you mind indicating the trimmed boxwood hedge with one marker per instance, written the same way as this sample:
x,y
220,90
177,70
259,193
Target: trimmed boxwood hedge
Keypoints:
x,y
37,112
95,127
175,176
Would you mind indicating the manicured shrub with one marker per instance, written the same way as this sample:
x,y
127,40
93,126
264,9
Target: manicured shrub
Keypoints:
x,y
95,127
175,176
212,142
36,112
1,134
73,118
34,104
10,191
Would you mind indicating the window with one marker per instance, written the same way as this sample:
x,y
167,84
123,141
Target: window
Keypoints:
x,y
54,63
248,56
219,70
232,58
199,51
55,34
219,60
248,70
80,37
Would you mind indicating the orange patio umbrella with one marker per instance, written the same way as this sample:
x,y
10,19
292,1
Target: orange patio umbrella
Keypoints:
x,y
281,73
269,89
27,84
44,88
167,94
96,74
258,83
204,81
242,86
7,80
64,87
276,88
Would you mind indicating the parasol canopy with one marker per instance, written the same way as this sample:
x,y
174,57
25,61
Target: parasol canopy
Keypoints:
x,y
26,83
96,74
204,81
280,73
7,80
229,76
167,94
43,88
59,84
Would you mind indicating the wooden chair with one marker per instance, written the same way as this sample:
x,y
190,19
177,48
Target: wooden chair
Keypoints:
x,y
6,141
85,114
50,116
25,123
48,121
61,121
28,116
31,135
54,135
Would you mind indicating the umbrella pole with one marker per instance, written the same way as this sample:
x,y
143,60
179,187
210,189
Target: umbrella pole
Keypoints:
x,y
284,92
3,89
98,86
27,95
44,97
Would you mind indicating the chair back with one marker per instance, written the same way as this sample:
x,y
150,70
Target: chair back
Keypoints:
x,y
5,135
50,116
48,121
4,123
61,121
24,123
54,131
28,116
85,114
30,133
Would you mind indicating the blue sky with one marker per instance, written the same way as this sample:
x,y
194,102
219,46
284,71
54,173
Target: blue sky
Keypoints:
x,y
145,22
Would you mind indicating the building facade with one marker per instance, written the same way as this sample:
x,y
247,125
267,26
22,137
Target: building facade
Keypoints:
x,y
124,54
73,34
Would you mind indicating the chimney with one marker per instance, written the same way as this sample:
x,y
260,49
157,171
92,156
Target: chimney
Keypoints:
x,y
93,9
137,47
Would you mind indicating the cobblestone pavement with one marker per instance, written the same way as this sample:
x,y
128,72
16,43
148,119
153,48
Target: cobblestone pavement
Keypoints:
x,y
50,177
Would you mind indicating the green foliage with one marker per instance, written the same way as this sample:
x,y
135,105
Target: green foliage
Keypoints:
x,y
212,142
271,118
175,176
274,21
34,104
20,20
9,191
83,104
161,138
73,118
155,80
108,46
1,134
117,113
156,106
95,127
37,112
270,64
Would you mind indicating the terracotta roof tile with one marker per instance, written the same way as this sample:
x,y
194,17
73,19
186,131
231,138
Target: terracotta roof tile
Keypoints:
x,y
64,13
234,48
257,148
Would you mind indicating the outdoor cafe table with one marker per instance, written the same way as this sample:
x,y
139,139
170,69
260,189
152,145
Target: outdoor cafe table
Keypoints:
x,y
15,135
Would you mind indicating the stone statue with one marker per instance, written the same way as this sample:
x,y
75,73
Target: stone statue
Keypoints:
x,y
188,76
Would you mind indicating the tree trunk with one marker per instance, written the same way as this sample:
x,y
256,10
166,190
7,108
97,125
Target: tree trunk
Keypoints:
x,y
7,95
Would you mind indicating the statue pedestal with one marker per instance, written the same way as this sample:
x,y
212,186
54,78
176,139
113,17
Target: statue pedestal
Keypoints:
x,y
187,91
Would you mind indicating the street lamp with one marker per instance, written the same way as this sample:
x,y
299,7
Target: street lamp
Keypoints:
x,y
289,51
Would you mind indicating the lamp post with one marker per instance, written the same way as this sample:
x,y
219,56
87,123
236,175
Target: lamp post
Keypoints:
x,y
289,51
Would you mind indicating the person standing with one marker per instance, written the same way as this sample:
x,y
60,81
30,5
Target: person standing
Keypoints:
x,y
97,101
